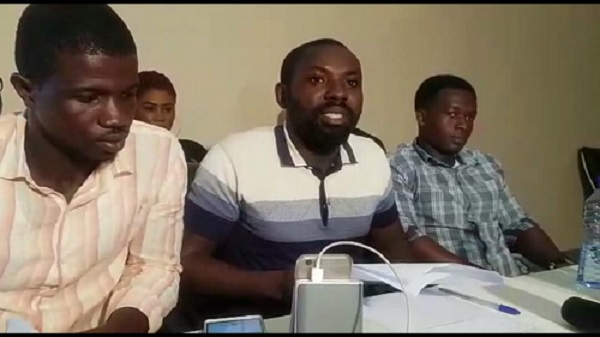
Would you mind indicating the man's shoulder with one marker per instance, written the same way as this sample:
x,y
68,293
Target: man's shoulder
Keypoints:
x,y
363,143
362,133
148,131
8,126
366,150
247,140
405,156
150,143
8,122
482,158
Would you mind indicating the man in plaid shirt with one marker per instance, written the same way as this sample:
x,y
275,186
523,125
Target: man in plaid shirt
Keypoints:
x,y
453,201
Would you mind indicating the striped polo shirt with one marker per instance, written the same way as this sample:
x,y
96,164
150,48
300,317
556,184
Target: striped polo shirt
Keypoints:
x,y
258,200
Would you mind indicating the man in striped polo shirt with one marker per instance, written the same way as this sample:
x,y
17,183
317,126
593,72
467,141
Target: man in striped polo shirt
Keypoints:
x,y
264,197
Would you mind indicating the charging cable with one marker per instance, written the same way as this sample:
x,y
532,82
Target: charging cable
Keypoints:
x,y
317,272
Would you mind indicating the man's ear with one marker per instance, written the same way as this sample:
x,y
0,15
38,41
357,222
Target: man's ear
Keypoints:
x,y
24,89
281,95
420,114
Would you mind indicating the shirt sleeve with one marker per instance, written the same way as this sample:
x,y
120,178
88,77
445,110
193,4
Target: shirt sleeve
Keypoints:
x,y
212,208
511,216
404,197
150,281
386,213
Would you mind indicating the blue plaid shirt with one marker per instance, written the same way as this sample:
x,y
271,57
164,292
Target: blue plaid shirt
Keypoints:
x,y
467,209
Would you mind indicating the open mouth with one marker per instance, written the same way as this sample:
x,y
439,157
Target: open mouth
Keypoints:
x,y
334,116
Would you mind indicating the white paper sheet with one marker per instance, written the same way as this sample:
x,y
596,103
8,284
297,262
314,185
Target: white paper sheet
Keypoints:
x,y
415,277
435,312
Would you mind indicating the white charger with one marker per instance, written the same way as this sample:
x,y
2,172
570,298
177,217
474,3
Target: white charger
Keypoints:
x,y
317,273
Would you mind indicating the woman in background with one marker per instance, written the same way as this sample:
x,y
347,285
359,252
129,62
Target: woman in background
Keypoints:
x,y
156,99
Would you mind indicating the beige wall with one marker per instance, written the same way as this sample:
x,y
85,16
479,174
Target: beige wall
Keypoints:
x,y
536,69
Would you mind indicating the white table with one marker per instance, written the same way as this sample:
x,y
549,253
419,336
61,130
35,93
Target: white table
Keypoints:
x,y
539,297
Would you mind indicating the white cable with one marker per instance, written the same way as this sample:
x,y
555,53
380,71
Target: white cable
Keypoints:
x,y
317,272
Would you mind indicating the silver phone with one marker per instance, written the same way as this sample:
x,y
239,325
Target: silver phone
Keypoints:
x,y
327,307
335,266
242,324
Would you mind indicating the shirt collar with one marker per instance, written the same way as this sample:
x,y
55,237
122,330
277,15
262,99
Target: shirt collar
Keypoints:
x,y
464,157
290,157
13,164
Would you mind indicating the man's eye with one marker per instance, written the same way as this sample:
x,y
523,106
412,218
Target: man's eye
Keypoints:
x,y
128,95
87,99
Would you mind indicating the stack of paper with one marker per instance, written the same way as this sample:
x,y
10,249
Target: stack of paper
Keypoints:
x,y
434,312
425,309
415,277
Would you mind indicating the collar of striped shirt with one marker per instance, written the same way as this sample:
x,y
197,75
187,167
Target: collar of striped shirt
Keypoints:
x,y
290,157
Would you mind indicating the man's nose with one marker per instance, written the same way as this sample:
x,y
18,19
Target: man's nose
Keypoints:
x,y
461,123
115,115
336,91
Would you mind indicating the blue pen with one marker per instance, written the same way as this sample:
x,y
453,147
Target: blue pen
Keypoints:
x,y
500,307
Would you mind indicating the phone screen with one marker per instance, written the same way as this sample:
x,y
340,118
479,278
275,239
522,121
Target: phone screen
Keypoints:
x,y
253,325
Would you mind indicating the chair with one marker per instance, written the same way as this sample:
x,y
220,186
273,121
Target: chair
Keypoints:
x,y
588,164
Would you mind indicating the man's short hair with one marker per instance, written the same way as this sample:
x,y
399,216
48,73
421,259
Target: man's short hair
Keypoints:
x,y
295,56
431,87
153,80
44,31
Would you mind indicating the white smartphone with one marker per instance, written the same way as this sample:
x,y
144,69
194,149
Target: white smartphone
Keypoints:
x,y
241,324
335,266
327,307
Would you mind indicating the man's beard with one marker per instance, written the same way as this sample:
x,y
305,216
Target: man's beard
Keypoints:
x,y
318,138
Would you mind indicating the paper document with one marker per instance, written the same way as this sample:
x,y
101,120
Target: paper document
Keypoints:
x,y
416,276
435,312
17,325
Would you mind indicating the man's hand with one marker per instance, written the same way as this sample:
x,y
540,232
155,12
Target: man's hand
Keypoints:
x,y
535,245
427,250
124,320
205,275
280,284
391,241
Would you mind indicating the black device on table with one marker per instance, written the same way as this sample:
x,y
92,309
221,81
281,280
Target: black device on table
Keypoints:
x,y
582,314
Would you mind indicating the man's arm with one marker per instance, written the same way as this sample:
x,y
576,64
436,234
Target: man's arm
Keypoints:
x,y
392,243
427,250
535,245
124,320
530,240
211,213
148,288
423,247
204,274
